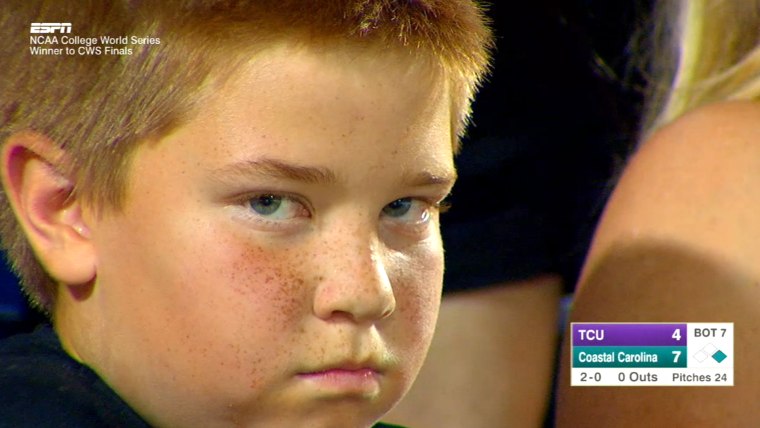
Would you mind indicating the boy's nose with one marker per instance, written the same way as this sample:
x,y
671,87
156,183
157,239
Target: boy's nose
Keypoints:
x,y
355,285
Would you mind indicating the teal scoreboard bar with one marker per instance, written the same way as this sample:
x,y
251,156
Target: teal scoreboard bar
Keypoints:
x,y
652,354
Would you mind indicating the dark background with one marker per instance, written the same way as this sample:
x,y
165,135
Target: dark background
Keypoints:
x,y
552,128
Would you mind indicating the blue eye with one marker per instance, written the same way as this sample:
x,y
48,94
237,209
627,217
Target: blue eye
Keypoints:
x,y
273,207
398,208
410,217
408,211
266,204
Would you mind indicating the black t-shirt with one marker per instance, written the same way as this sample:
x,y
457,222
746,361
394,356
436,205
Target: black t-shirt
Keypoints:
x,y
41,386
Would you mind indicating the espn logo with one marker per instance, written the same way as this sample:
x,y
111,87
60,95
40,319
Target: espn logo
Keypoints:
x,y
50,27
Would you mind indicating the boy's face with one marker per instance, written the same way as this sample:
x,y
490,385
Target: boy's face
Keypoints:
x,y
278,258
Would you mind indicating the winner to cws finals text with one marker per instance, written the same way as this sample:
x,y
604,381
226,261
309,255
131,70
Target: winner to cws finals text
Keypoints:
x,y
55,39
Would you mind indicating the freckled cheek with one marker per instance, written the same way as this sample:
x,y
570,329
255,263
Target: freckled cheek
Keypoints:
x,y
418,292
261,301
269,283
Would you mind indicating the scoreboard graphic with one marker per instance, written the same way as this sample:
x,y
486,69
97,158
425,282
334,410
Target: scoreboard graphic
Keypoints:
x,y
652,354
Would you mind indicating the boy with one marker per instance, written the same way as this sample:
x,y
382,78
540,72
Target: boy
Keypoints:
x,y
232,217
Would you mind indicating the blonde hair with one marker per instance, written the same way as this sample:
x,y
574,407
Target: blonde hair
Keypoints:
x,y
97,108
708,51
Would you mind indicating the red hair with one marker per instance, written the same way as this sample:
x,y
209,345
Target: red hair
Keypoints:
x,y
98,107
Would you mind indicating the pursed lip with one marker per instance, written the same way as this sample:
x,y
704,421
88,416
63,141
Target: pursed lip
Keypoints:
x,y
347,366
348,377
339,372
371,361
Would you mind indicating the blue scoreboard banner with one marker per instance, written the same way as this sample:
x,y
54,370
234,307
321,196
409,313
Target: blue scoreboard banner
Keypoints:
x,y
652,354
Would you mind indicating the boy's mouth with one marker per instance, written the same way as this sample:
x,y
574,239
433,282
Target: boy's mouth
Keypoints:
x,y
346,378
340,381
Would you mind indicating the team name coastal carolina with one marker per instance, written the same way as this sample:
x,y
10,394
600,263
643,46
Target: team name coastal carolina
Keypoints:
x,y
620,357
77,45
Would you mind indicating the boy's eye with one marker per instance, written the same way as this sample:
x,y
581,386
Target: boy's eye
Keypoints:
x,y
266,204
398,208
408,210
277,207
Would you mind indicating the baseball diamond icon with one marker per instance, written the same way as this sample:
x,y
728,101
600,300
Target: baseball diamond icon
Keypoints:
x,y
710,351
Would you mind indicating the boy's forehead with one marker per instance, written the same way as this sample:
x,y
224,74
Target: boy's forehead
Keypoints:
x,y
312,71
278,96
290,56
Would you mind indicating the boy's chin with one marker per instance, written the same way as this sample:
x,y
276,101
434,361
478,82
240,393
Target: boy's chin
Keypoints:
x,y
354,405
332,402
349,412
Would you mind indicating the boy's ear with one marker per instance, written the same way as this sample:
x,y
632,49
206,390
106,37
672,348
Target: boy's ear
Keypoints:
x,y
47,208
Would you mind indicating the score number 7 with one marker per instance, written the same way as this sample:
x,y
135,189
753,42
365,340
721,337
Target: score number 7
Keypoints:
x,y
677,336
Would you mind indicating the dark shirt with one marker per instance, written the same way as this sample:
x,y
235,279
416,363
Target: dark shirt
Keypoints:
x,y
41,386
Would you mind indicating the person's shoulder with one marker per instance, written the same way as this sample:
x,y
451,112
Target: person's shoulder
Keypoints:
x,y
732,125
40,385
693,182
701,145
36,379
709,139
29,352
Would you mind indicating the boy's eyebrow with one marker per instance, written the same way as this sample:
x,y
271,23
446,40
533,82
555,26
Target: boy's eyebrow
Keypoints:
x,y
427,178
274,168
